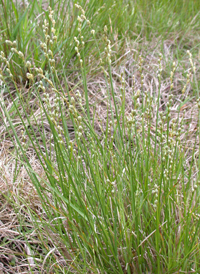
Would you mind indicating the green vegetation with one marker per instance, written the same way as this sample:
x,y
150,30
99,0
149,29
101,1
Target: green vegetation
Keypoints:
x,y
99,126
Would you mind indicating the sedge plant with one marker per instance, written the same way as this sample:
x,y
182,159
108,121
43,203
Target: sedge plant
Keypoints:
x,y
119,194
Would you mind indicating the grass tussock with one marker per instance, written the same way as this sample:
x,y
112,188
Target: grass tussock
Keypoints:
x,y
99,163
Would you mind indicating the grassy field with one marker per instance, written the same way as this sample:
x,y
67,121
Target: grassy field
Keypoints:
x,y
99,136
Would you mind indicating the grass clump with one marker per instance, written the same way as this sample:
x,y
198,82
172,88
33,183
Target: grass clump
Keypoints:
x,y
110,152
